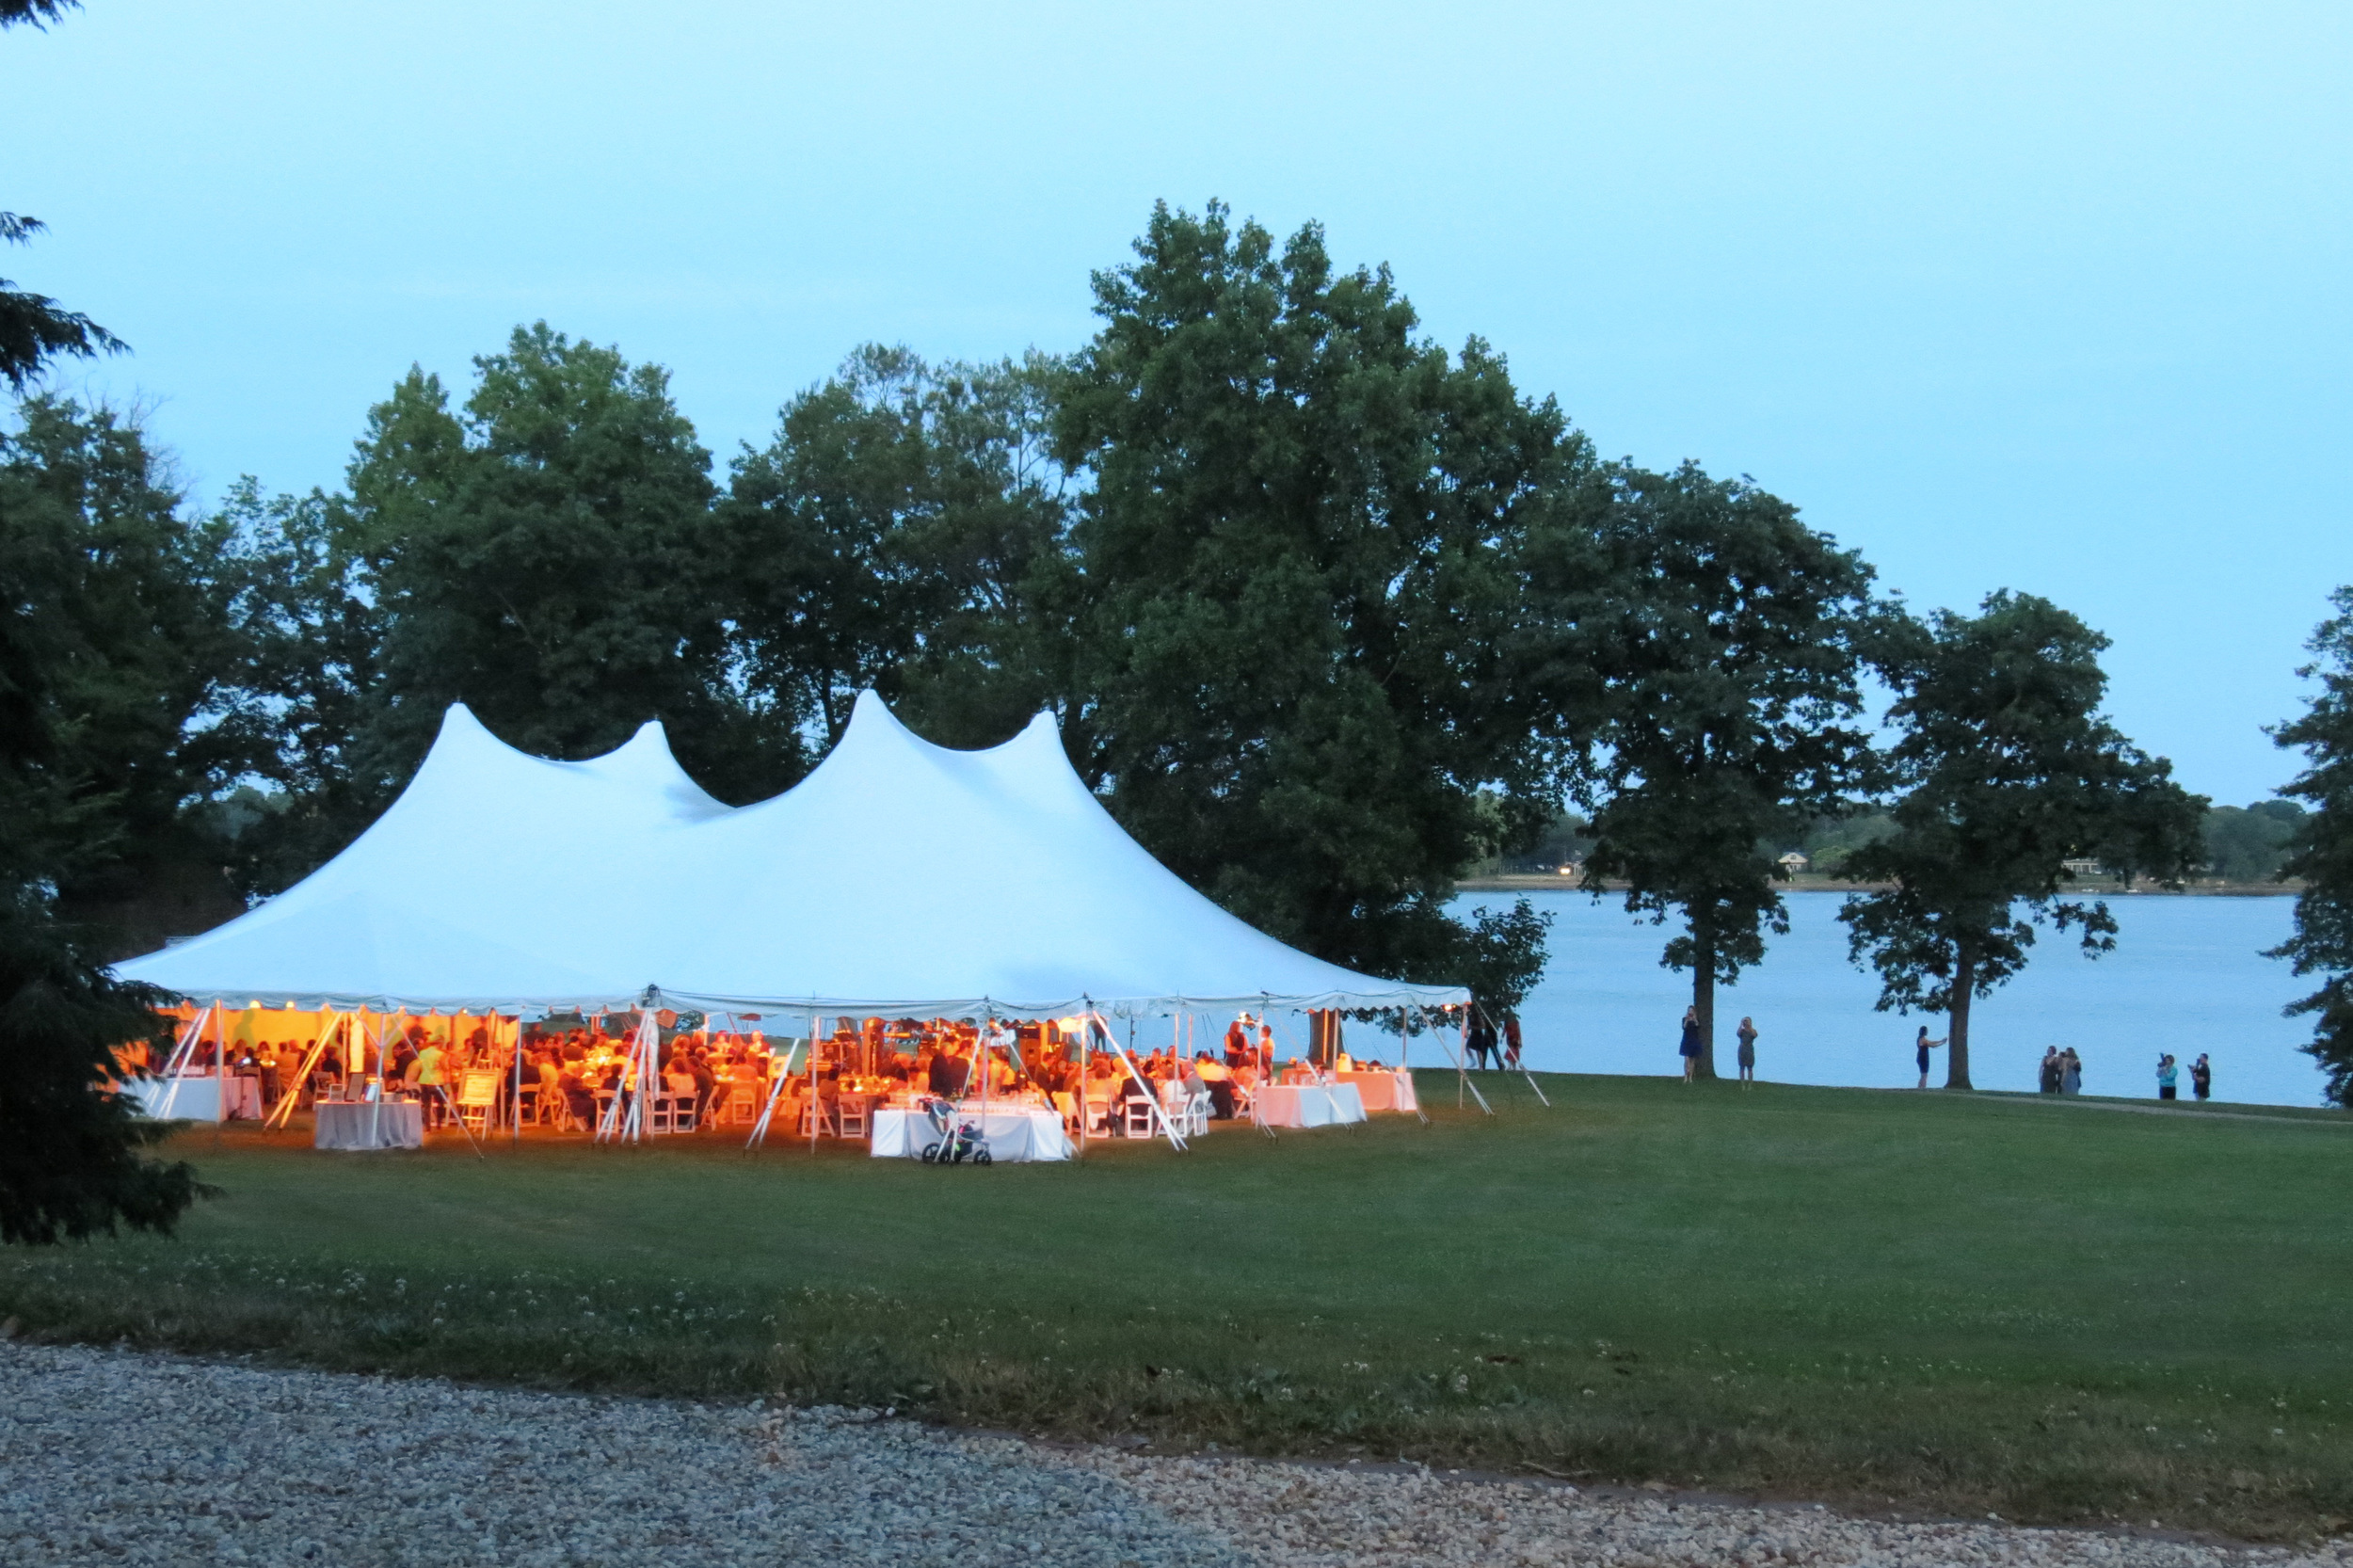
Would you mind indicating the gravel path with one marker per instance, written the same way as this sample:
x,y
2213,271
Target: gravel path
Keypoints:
x,y
116,1457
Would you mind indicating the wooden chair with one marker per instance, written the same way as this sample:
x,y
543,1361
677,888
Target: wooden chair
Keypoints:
x,y
816,1121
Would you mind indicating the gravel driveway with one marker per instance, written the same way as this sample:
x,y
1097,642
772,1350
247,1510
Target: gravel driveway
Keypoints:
x,y
113,1456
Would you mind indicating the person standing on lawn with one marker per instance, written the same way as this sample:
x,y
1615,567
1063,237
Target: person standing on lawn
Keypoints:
x,y
1512,1041
2049,1081
1747,1037
2071,1072
2165,1077
1690,1047
2201,1077
1921,1047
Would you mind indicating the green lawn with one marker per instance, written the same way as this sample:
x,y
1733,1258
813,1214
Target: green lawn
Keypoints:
x,y
1954,1304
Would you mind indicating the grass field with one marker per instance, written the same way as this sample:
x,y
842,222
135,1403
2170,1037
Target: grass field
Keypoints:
x,y
1940,1303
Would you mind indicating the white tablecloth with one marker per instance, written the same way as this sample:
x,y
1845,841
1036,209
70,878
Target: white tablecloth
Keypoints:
x,y
199,1100
1307,1105
358,1124
1015,1133
1383,1090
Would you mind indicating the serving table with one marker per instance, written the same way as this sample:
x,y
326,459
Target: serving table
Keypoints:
x,y
1384,1089
1016,1133
368,1125
1307,1105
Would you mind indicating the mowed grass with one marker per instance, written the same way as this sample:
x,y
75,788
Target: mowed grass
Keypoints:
x,y
1939,1303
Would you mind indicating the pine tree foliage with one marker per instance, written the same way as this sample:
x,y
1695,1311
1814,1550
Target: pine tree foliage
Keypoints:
x,y
2323,848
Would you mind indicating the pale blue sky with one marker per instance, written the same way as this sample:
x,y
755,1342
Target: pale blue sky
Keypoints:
x,y
2042,296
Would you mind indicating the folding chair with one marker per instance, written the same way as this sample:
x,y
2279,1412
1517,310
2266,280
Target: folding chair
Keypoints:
x,y
816,1121
1139,1120
850,1116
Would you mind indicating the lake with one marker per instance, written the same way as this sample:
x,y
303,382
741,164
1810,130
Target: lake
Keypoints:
x,y
2187,975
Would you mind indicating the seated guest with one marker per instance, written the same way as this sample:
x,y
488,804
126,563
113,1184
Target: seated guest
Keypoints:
x,y
1219,1080
578,1098
948,1075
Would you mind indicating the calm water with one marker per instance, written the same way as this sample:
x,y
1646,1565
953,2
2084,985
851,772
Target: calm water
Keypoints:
x,y
2187,975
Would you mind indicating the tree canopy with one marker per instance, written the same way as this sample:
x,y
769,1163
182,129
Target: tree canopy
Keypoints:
x,y
2007,771
2322,852
1726,635
1300,552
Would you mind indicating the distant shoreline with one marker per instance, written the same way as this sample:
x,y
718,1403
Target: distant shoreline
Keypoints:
x,y
1532,882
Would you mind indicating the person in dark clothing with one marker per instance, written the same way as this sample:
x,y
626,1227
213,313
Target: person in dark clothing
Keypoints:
x,y
1746,1034
2049,1081
1512,1041
2200,1077
948,1074
1689,1049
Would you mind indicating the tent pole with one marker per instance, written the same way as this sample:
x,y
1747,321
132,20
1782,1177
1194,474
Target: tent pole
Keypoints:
x,y
284,1112
812,1083
183,1054
1129,1060
776,1077
516,1104
1463,1073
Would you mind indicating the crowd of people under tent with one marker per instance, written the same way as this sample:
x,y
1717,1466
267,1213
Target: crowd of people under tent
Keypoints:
x,y
573,1067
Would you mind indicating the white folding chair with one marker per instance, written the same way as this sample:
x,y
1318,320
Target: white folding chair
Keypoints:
x,y
815,1120
850,1116
1198,1116
1139,1119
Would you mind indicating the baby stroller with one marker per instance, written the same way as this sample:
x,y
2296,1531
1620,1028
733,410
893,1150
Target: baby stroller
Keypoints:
x,y
956,1143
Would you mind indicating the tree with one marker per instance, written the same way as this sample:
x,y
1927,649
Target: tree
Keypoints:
x,y
1726,633
1299,554
35,329
2323,848
546,557
2008,771
2250,843
898,534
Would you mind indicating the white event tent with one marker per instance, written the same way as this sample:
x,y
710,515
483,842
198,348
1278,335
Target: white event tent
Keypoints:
x,y
899,878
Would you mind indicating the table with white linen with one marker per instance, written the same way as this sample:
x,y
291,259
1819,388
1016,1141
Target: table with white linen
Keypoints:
x,y
1383,1090
1015,1133
198,1098
368,1125
1307,1105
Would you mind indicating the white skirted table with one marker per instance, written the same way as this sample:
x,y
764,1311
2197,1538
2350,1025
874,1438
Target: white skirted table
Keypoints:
x,y
1383,1090
1015,1133
1307,1105
198,1097
368,1125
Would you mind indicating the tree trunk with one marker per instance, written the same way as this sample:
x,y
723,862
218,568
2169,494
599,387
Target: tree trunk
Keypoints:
x,y
1956,1010
1704,1000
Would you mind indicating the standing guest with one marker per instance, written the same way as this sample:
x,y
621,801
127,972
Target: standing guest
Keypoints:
x,y
2200,1077
2048,1083
2071,1072
2167,1078
1746,1034
1689,1049
426,1074
1512,1041
1921,1047
947,1075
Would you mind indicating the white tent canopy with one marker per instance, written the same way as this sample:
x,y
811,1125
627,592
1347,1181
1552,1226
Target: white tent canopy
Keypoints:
x,y
899,878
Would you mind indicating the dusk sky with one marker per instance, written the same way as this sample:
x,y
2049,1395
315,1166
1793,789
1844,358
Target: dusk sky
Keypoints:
x,y
2047,297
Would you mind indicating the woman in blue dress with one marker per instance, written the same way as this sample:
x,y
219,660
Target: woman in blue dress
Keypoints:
x,y
1690,1047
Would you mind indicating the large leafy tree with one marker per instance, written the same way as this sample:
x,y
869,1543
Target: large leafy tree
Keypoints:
x,y
1301,545
903,532
2008,771
2323,848
1727,635
545,555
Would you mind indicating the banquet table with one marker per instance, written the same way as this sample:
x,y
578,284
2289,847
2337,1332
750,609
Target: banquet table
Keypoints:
x,y
1383,1090
198,1097
1015,1133
1307,1105
368,1125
